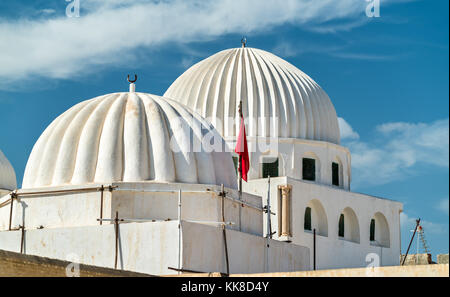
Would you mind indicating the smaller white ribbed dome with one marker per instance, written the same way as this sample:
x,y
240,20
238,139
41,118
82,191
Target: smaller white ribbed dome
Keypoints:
x,y
7,174
127,137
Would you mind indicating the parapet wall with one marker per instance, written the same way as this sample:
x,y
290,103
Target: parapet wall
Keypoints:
x,y
19,265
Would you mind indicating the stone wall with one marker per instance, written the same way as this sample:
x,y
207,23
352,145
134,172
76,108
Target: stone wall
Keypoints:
x,y
442,259
417,259
18,265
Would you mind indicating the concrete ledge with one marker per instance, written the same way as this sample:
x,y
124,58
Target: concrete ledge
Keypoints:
x,y
392,271
19,265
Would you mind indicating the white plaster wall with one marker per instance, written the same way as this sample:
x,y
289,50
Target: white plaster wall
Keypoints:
x,y
247,253
71,209
291,151
4,192
333,252
145,200
153,247
147,248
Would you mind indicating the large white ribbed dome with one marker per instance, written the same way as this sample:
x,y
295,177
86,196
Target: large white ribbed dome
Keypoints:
x,y
128,137
274,94
7,174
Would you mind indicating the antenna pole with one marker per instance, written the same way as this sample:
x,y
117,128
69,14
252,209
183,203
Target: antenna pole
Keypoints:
x,y
407,251
269,222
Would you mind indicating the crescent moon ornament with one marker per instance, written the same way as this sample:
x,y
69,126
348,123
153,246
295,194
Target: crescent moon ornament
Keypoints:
x,y
132,81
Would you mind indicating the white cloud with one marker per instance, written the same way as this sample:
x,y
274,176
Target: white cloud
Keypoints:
x,y
346,130
342,51
108,31
287,49
362,56
396,149
187,62
408,223
47,11
291,49
443,206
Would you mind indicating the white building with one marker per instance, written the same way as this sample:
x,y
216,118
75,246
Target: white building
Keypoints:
x,y
135,156
129,156
293,137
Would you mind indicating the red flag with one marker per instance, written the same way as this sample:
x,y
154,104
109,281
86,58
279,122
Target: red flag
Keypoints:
x,y
242,151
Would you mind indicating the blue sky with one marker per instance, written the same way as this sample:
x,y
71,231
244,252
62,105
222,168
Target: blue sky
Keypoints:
x,y
387,76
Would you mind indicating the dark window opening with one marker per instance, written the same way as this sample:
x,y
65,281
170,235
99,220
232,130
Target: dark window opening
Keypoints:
x,y
308,225
309,169
372,230
236,164
342,226
270,169
335,173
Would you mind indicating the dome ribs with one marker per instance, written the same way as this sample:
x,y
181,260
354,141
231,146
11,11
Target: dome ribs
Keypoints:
x,y
161,169
274,93
180,131
200,87
291,106
219,112
230,105
210,104
110,153
269,112
44,175
285,108
242,92
86,160
250,102
305,92
206,88
298,104
34,160
128,137
135,151
68,151
256,102
7,174
203,160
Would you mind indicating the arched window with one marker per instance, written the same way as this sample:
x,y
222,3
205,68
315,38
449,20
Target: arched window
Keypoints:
x,y
372,230
316,218
349,226
379,231
342,226
308,225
